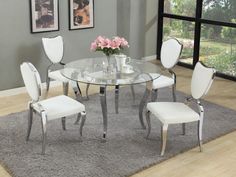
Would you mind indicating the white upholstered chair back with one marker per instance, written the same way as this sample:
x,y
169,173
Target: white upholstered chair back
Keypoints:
x,y
53,48
201,80
31,80
170,53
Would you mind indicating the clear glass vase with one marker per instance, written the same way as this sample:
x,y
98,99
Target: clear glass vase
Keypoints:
x,y
109,69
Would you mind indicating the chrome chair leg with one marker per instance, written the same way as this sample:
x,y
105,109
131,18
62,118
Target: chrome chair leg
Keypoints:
x,y
148,123
163,138
63,122
77,91
200,124
154,95
200,135
44,131
65,88
47,83
174,92
83,115
78,119
30,121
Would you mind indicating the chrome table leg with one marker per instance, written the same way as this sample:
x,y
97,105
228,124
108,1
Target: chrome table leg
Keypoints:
x,y
65,88
104,109
87,89
63,123
133,92
117,98
144,101
77,91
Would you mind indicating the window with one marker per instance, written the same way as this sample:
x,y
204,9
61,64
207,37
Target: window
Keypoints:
x,y
180,7
219,10
184,32
218,48
207,30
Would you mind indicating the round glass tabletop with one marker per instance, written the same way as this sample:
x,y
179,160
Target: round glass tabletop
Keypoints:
x,y
94,71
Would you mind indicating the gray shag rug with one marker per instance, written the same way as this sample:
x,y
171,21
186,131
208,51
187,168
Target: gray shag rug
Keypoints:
x,y
126,151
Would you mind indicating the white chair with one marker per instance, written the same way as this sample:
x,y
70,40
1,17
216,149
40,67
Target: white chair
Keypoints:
x,y
51,108
170,53
54,50
180,113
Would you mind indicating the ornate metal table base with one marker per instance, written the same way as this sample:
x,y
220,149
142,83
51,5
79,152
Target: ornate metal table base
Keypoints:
x,y
91,71
104,104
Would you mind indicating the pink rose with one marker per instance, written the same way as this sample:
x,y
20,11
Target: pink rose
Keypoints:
x,y
124,43
114,44
93,46
118,41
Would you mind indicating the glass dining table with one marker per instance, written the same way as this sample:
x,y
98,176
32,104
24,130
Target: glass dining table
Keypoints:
x,y
94,71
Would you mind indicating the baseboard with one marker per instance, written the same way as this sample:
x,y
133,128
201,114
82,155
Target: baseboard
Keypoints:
x,y
19,90
149,58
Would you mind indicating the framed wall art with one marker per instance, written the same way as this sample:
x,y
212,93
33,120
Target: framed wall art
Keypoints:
x,y
81,14
44,15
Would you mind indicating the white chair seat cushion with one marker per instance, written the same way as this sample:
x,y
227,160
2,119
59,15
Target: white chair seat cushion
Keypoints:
x,y
59,106
162,81
56,75
172,112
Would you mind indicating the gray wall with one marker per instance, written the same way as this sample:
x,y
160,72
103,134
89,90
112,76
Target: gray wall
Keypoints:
x,y
123,19
151,28
17,44
137,21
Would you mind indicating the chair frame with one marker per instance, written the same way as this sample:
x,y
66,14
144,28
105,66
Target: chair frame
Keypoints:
x,y
42,113
173,75
76,87
164,127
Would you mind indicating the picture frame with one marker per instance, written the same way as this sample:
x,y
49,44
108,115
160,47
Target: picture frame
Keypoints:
x,y
44,15
81,14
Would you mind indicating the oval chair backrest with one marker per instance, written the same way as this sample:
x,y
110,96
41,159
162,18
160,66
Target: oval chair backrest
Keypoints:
x,y
31,80
53,48
170,52
201,80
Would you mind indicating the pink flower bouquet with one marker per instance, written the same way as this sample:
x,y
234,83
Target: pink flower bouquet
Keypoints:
x,y
109,46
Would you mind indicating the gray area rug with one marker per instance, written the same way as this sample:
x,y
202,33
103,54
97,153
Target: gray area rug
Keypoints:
x,y
126,151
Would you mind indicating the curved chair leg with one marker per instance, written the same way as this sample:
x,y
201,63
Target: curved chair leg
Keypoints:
x,y
65,88
78,119
47,83
133,92
148,123
200,124
44,131
164,138
154,95
183,128
63,123
174,92
30,121
83,115
87,89
200,135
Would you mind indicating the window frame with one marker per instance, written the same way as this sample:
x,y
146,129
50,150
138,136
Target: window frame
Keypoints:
x,y
199,21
